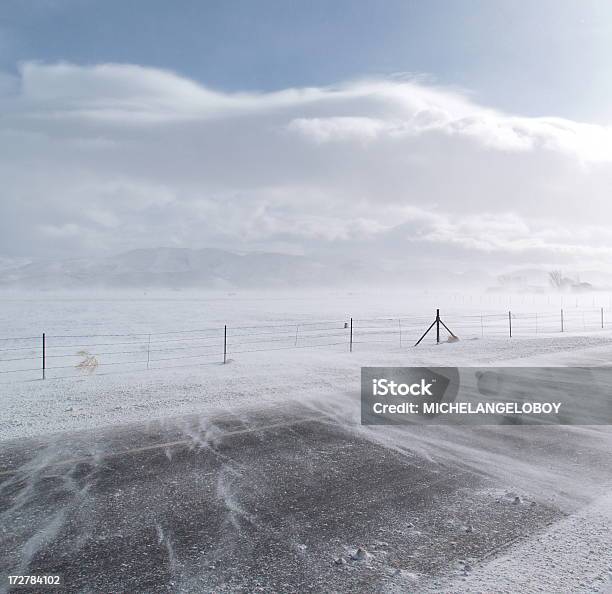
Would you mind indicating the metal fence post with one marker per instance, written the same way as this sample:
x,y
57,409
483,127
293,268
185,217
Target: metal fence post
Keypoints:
x,y
510,323
351,338
148,351
562,320
225,344
438,326
44,356
602,323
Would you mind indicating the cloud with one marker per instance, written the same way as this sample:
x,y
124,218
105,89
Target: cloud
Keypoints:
x,y
111,157
341,129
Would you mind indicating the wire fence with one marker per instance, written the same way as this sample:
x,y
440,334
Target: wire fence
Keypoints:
x,y
71,355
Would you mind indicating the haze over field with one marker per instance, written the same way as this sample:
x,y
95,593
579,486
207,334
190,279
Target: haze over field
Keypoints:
x,y
208,268
212,268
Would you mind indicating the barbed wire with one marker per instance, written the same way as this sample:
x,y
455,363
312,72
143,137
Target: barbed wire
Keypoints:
x,y
209,343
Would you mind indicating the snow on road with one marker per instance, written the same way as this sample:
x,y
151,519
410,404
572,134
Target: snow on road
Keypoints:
x,y
573,555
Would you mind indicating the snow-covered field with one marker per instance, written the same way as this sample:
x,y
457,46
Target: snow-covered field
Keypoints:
x,y
161,354
31,408
162,310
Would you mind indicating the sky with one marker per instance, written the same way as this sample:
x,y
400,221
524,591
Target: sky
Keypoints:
x,y
463,133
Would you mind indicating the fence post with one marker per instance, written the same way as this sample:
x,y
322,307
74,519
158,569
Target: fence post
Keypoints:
x,y
44,356
225,344
296,333
481,327
148,351
602,323
510,323
437,321
351,338
399,323
561,319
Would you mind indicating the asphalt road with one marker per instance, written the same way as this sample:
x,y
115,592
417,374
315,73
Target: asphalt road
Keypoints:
x,y
265,503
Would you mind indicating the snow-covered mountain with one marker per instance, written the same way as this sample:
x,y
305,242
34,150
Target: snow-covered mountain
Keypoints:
x,y
163,267
213,268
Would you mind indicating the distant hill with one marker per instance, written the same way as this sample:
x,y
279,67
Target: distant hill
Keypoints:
x,y
213,268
